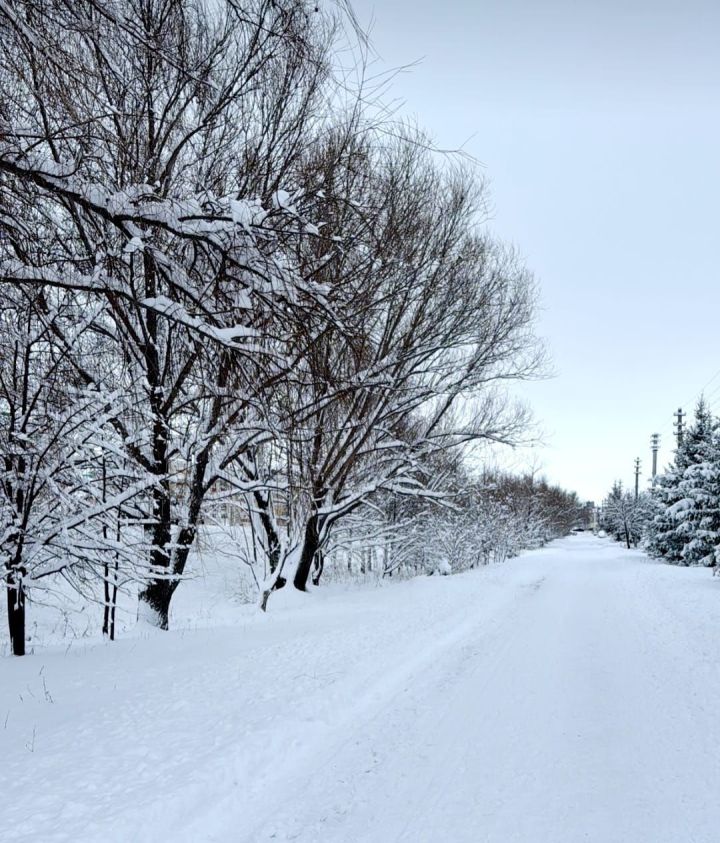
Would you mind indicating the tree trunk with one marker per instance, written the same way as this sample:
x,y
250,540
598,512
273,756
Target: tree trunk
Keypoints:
x,y
310,548
318,567
272,540
110,599
154,602
106,606
113,607
16,614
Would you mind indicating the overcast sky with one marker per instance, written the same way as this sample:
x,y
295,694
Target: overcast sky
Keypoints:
x,y
598,126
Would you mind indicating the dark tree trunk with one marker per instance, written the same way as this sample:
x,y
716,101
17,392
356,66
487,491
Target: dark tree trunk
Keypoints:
x,y
155,598
110,599
113,607
318,567
16,614
156,595
311,545
106,607
271,536
272,543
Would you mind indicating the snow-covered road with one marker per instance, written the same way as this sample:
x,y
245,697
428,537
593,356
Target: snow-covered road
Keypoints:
x,y
570,695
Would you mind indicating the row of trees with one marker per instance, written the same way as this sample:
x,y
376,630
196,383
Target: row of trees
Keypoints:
x,y
679,519
226,285
480,520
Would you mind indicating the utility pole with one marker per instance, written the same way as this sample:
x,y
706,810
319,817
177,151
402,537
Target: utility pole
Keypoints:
x,y
637,477
654,447
678,425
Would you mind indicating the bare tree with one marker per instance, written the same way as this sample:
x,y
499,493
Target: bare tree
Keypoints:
x,y
294,306
626,516
158,137
53,518
432,316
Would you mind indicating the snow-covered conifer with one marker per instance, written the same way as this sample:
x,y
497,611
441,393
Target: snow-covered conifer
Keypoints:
x,y
683,496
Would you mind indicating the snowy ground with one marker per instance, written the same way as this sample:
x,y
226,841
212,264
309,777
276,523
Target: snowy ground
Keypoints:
x,y
569,695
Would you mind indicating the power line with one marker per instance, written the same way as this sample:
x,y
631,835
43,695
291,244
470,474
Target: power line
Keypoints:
x,y
704,387
712,394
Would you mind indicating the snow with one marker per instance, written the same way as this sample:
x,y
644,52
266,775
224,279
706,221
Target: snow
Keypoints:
x,y
283,200
134,244
567,695
247,212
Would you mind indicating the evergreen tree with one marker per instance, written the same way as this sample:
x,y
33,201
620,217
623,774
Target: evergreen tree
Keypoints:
x,y
700,490
684,499
610,523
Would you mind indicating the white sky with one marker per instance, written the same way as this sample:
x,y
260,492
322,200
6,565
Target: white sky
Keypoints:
x,y
598,127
